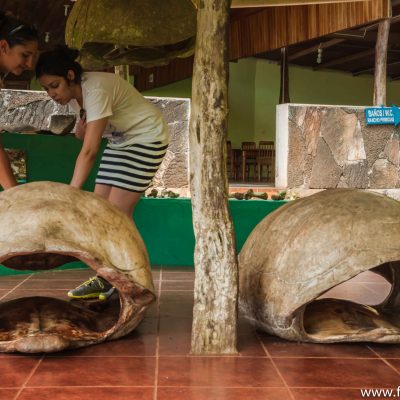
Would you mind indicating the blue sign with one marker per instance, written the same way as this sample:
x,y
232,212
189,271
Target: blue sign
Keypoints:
x,y
396,114
382,115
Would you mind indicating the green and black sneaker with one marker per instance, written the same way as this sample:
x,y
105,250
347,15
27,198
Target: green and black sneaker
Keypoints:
x,y
95,287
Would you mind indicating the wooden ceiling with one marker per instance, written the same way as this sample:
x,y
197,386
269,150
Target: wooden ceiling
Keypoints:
x,y
349,50
258,32
262,32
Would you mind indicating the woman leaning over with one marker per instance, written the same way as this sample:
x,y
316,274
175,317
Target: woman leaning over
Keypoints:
x,y
110,107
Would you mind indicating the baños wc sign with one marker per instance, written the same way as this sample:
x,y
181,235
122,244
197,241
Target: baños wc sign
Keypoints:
x,y
382,115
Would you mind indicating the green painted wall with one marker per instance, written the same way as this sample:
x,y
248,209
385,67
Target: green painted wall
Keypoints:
x,y
242,101
178,89
306,86
254,94
166,226
50,158
241,98
393,93
35,85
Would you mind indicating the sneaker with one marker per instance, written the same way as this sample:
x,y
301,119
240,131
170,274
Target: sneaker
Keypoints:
x,y
105,295
92,288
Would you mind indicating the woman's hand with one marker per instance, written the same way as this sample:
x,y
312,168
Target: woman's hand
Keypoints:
x,y
87,155
81,128
7,179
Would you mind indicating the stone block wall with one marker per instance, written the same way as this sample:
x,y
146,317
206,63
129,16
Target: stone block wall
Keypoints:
x,y
27,110
321,147
174,170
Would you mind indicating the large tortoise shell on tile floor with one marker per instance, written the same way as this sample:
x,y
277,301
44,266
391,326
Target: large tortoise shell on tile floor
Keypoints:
x,y
46,224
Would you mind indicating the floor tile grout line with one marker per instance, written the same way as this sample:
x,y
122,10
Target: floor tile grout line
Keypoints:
x,y
28,378
384,360
182,271
329,387
15,287
155,394
48,290
57,280
274,365
185,386
163,386
213,356
262,387
83,386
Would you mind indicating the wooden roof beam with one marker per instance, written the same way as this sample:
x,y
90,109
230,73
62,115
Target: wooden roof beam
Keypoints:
x,y
367,33
368,37
369,70
342,60
272,3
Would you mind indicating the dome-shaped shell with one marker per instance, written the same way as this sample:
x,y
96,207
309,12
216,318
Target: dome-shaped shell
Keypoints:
x,y
139,32
134,22
43,222
307,247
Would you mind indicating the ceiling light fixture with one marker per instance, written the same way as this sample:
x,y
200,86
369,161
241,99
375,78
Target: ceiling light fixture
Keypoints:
x,y
319,54
66,8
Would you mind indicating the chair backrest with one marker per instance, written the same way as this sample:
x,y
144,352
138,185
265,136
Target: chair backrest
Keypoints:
x,y
249,146
228,149
266,148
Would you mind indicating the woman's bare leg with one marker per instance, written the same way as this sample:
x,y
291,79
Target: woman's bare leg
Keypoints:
x,y
102,190
124,200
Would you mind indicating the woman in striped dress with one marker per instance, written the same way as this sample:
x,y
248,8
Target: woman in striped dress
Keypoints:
x,y
112,108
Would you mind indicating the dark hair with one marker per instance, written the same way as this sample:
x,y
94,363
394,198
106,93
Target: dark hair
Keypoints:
x,y
58,62
15,31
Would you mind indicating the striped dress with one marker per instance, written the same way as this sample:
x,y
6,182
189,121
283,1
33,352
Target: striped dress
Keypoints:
x,y
131,168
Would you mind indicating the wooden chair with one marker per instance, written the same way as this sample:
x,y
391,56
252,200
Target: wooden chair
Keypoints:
x,y
249,159
266,157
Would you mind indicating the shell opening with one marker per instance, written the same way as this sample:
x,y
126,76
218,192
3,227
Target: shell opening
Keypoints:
x,y
47,321
365,307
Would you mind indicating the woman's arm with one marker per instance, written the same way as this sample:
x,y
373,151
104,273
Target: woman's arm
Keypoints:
x,y
87,155
81,128
7,179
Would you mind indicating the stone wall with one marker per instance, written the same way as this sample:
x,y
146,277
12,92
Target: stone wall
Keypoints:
x,y
34,111
321,147
174,170
30,111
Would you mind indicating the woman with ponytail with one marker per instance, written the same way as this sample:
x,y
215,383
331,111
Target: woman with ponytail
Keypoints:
x,y
109,107
18,49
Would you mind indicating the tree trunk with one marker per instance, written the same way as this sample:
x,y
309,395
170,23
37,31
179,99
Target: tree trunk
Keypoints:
x,y
284,92
216,271
380,63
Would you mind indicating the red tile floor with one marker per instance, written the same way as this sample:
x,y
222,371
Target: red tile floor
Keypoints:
x,y
154,361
